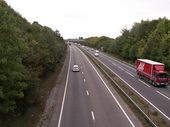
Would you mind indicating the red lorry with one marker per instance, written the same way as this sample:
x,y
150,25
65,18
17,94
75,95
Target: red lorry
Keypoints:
x,y
153,71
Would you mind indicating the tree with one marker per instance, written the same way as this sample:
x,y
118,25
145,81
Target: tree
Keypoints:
x,y
27,53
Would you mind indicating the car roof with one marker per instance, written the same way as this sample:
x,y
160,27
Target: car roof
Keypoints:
x,y
75,65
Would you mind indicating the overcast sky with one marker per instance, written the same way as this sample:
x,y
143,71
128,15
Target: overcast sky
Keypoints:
x,y
74,18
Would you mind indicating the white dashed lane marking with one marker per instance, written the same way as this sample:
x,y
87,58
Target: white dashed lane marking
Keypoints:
x,y
120,68
163,95
144,83
92,114
130,74
114,64
87,92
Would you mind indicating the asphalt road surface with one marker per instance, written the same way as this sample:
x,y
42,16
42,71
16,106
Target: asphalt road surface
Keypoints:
x,y
158,97
88,101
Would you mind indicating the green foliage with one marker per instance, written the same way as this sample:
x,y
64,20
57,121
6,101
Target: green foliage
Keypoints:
x,y
100,42
147,39
27,53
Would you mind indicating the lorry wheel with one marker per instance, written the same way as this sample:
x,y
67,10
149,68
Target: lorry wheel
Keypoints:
x,y
150,81
153,83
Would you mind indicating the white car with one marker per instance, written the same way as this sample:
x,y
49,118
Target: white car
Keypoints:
x,y
75,68
96,54
97,51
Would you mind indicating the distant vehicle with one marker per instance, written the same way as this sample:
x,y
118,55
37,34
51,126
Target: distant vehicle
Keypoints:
x,y
96,54
69,43
75,68
97,51
153,71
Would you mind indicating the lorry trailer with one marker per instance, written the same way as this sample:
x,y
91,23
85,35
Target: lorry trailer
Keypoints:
x,y
153,71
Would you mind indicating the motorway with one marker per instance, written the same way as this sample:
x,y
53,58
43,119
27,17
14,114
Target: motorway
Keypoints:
x,y
158,97
88,101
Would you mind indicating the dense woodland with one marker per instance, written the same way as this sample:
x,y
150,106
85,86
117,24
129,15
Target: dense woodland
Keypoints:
x,y
28,52
147,39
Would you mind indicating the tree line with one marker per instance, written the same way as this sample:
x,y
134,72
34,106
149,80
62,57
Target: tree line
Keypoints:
x,y
147,39
28,52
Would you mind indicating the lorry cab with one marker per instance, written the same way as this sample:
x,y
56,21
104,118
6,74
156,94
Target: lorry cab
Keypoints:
x,y
160,78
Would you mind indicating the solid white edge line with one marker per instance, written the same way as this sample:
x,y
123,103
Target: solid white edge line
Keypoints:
x,y
144,83
65,90
92,114
137,92
163,95
110,91
130,74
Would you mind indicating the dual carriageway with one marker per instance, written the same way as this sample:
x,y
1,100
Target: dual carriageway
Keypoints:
x,y
90,101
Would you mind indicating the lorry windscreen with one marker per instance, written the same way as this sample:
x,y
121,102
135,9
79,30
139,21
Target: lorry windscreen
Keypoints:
x,y
163,75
